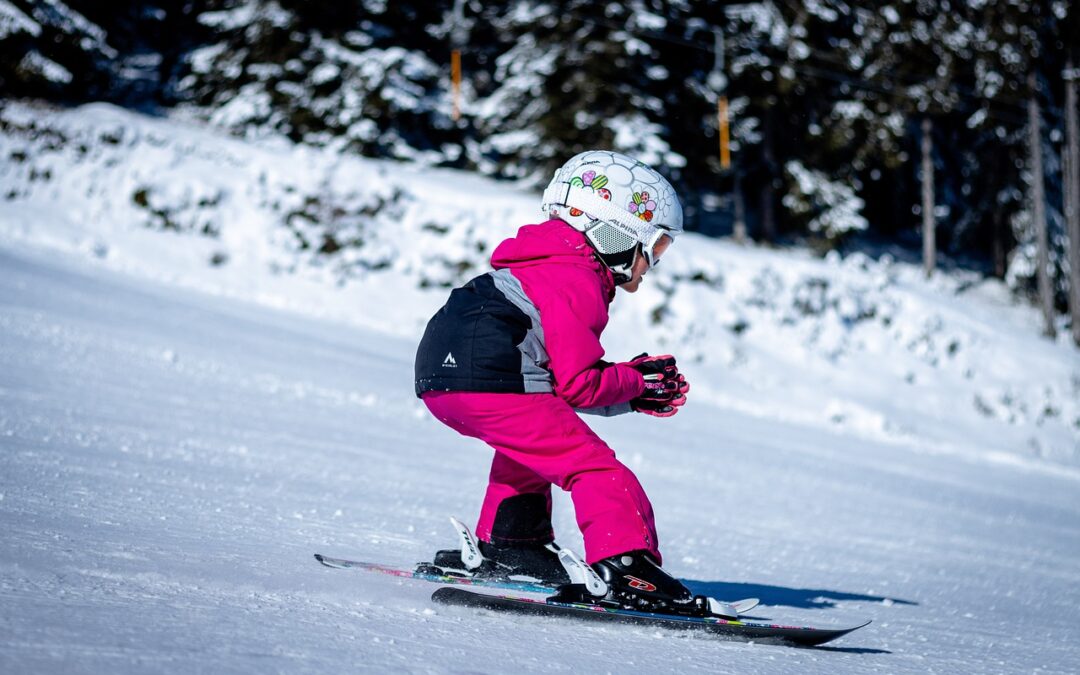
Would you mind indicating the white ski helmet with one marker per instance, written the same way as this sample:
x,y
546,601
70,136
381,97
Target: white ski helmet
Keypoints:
x,y
618,203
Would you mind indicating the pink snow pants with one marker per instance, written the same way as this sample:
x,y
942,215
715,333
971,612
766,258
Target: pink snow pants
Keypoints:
x,y
539,440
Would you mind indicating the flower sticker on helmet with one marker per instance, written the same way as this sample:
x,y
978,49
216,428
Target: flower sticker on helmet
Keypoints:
x,y
642,206
590,180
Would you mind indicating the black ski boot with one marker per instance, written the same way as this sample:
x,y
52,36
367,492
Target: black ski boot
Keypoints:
x,y
540,562
518,548
636,582
536,562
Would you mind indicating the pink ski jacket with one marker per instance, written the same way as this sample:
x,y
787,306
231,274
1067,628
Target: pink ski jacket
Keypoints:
x,y
531,326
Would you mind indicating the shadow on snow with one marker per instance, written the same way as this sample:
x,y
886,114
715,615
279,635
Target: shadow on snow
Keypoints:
x,y
807,598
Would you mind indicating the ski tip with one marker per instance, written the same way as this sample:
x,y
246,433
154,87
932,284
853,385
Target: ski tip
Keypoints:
x,y
322,559
852,629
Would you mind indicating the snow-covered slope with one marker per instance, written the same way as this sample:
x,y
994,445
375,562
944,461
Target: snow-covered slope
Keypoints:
x,y
177,437
171,461
865,347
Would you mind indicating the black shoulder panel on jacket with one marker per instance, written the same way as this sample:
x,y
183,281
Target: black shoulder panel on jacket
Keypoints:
x,y
471,344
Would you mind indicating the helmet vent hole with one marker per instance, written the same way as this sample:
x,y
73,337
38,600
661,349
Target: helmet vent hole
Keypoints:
x,y
611,240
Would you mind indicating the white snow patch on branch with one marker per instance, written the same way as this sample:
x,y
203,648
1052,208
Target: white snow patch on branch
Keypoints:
x,y
13,21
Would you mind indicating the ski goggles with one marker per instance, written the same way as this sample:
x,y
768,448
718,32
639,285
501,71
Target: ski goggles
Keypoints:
x,y
649,250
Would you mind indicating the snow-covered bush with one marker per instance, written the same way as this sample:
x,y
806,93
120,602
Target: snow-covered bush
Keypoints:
x,y
830,207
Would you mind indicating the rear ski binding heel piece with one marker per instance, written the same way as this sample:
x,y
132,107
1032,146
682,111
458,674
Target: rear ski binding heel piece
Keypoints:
x,y
481,560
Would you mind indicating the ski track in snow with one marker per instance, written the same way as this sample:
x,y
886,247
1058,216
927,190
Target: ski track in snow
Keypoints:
x,y
170,461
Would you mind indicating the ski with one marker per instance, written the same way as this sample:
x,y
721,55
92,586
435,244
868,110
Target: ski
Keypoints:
x,y
731,629
428,572
431,573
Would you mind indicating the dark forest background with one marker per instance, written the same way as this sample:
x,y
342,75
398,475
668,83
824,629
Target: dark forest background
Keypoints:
x,y
828,100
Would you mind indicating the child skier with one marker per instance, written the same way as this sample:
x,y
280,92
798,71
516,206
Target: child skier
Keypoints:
x,y
515,353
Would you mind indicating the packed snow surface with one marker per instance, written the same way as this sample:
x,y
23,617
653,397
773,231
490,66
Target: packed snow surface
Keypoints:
x,y
191,405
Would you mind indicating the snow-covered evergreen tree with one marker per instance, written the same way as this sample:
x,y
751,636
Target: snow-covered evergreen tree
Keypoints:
x,y
575,75
825,96
357,77
49,49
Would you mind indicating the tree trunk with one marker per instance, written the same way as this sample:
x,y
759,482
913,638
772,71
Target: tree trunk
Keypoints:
x,y
1038,210
740,209
1072,196
768,198
1001,256
928,222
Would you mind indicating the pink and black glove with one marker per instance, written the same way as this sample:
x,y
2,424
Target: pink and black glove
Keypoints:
x,y
665,387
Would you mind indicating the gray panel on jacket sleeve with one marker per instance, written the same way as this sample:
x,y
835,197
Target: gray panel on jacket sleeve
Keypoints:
x,y
607,410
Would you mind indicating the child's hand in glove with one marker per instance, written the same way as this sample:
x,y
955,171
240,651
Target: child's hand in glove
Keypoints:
x,y
665,387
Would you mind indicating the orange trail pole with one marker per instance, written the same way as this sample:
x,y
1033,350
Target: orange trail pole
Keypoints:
x,y
455,76
725,139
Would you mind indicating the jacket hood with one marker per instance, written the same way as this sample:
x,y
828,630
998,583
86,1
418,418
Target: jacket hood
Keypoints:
x,y
551,242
